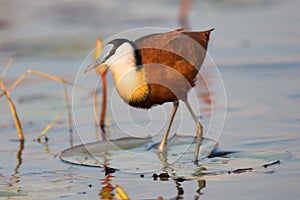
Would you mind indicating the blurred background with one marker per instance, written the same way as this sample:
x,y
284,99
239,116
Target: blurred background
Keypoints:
x,y
247,32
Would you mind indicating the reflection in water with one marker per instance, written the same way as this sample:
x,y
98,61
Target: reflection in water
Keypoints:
x,y
19,156
45,144
201,185
180,191
107,188
15,178
104,131
106,191
205,94
163,158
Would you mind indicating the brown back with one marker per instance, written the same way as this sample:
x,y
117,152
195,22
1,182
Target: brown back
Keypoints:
x,y
172,61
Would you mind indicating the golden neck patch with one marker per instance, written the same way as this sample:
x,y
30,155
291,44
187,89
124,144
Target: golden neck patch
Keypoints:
x,y
132,86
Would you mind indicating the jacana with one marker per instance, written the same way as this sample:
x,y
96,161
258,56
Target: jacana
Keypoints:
x,y
156,69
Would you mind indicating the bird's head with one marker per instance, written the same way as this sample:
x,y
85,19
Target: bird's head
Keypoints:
x,y
112,52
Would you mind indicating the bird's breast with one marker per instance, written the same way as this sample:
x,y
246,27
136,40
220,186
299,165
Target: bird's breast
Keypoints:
x,y
132,86
163,84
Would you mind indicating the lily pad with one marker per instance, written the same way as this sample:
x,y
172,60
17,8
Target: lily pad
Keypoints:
x,y
140,155
95,154
231,162
133,154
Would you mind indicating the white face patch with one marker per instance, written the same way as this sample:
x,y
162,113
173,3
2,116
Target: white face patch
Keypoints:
x,y
119,56
124,51
122,61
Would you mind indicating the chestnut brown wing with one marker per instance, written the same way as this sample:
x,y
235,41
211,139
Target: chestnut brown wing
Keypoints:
x,y
172,61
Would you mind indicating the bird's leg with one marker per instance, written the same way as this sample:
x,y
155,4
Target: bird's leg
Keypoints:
x,y
199,131
164,140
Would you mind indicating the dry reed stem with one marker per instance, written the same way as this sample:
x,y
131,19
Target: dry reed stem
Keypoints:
x,y
96,113
120,193
96,107
104,93
68,108
49,126
54,78
6,68
101,71
13,111
6,92
51,77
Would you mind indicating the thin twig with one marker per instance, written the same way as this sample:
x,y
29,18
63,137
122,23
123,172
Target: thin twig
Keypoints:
x,y
69,114
13,111
96,113
49,126
54,78
68,107
104,93
101,71
95,107
6,68
120,193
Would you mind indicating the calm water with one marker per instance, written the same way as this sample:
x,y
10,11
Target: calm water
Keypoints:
x,y
255,46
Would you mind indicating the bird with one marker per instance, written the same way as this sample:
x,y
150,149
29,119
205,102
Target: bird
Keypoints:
x,y
157,68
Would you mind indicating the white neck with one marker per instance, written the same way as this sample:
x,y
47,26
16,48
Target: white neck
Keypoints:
x,y
128,80
123,61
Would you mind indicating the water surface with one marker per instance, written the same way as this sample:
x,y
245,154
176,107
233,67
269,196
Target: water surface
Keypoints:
x,y
255,46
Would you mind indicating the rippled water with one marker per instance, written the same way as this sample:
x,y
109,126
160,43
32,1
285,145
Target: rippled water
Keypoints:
x,y
255,46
